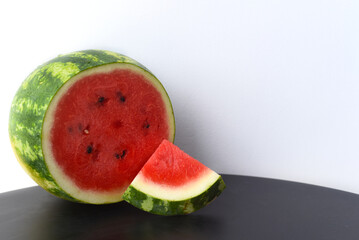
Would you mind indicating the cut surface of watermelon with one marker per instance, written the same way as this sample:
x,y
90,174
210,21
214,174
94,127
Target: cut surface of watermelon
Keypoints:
x,y
83,124
100,130
173,183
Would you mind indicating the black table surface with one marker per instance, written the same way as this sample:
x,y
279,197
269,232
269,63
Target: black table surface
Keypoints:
x,y
249,208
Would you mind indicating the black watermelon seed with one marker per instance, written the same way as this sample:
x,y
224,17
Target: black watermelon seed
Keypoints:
x,y
70,129
102,100
80,127
123,154
121,97
146,124
89,149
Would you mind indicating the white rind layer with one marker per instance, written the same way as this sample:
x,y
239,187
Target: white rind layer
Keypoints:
x,y
65,182
176,193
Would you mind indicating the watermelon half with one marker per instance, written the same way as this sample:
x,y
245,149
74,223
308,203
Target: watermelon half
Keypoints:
x,y
84,124
173,183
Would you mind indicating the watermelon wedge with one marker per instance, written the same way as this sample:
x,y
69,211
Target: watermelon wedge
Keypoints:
x,y
83,124
173,183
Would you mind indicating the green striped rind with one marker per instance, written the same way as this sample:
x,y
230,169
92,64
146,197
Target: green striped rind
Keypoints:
x,y
32,100
148,203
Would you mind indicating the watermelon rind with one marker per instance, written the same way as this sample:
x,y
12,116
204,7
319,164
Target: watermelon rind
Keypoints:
x,y
28,129
164,202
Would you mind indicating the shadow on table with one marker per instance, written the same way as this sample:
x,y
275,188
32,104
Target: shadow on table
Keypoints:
x,y
67,220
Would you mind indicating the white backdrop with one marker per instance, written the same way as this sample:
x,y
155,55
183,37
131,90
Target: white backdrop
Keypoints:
x,y
261,88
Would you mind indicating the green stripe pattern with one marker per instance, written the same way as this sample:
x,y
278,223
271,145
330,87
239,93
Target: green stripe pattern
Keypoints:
x,y
145,201
32,100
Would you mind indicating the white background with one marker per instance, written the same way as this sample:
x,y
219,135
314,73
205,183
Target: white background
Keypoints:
x,y
260,88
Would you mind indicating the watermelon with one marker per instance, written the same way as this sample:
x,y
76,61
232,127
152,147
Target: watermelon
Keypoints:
x,y
173,183
83,124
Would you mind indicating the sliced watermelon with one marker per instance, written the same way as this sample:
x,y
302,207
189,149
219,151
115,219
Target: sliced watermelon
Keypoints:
x,y
173,183
84,124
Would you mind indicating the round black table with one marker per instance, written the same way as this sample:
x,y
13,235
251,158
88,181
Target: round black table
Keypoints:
x,y
249,208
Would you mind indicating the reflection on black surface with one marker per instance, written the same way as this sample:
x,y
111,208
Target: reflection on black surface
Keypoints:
x,y
249,208
60,219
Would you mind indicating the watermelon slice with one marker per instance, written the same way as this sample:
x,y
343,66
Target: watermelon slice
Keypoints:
x,y
84,124
173,183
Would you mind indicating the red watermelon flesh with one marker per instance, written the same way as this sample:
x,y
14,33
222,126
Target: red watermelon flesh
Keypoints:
x,y
172,167
106,127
